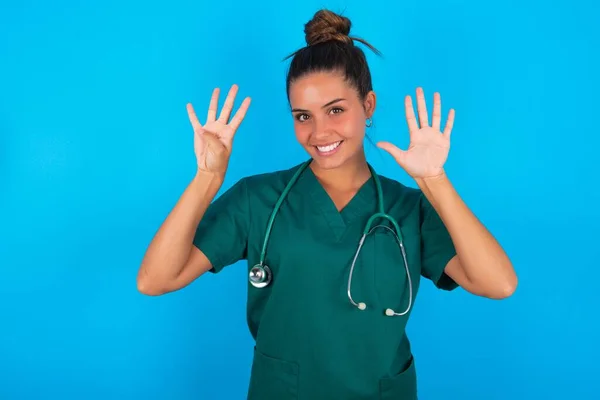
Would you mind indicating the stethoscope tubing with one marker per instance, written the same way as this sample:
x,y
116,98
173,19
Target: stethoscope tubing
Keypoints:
x,y
261,275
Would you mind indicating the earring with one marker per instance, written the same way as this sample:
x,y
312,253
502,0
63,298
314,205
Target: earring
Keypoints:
x,y
369,122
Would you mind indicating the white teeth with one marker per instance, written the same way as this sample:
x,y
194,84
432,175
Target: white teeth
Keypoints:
x,y
325,149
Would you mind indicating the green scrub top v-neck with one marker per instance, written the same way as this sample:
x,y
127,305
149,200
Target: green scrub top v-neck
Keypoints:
x,y
311,342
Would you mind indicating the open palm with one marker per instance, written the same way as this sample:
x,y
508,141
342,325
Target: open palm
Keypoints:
x,y
213,140
428,149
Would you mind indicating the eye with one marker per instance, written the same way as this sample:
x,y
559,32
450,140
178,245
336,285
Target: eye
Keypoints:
x,y
336,110
302,117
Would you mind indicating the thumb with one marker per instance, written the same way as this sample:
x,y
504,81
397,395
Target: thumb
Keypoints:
x,y
214,144
199,136
398,154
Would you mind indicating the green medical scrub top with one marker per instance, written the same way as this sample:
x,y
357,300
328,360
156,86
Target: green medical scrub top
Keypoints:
x,y
311,342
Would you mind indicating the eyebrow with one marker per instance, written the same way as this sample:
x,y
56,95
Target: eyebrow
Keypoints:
x,y
325,105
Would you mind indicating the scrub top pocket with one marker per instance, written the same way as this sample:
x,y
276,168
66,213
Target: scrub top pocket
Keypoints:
x,y
402,386
272,378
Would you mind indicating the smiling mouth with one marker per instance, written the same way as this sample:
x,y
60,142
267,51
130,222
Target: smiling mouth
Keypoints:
x,y
329,148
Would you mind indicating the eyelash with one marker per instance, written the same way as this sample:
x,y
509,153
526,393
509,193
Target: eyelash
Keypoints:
x,y
333,109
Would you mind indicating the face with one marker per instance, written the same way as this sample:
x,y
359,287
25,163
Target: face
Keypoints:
x,y
330,118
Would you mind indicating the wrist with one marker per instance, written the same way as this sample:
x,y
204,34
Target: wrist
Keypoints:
x,y
433,181
436,189
208,181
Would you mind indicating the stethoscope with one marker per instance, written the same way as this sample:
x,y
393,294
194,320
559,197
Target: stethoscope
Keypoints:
x,y
261,275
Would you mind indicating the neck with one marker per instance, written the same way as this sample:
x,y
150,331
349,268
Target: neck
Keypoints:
x,y
348,176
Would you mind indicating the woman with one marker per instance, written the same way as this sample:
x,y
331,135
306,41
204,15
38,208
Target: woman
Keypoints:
x,y
328,325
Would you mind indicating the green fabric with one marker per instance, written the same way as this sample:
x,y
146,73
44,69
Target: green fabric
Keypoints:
x,y
311,342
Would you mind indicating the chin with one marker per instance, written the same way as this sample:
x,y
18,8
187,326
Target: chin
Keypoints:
x,y
328,164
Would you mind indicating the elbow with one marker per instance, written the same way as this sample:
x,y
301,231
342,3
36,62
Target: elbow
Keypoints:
x,y
504,293
148,286
495,288
505,283
148,290
505,290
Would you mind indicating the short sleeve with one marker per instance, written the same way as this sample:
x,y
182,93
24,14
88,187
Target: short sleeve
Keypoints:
x,y
222,234
437,248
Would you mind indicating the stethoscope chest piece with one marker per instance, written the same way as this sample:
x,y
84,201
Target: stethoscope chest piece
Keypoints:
x,y
260,276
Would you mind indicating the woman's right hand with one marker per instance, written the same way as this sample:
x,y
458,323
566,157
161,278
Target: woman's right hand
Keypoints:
x,y
213,140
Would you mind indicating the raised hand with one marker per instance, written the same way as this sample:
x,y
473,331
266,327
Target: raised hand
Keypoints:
x,y
429,147
213,140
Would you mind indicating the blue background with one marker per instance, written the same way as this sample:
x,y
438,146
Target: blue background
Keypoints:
x,y
96,147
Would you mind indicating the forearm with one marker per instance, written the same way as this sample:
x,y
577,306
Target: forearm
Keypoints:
x,y
170,248
483,261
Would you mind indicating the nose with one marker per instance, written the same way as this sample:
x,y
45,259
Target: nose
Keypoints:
x,y
321,128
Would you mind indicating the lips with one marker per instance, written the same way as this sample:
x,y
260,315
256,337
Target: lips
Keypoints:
x,y
328,148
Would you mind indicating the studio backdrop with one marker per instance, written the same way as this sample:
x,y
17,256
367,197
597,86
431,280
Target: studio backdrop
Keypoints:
x,y
96,148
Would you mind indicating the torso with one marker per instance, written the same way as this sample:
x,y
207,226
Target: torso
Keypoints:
x,y
311,342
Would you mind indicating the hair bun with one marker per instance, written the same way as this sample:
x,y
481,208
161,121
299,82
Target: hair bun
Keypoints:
x,y
325,26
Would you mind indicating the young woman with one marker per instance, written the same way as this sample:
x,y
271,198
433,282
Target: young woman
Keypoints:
x,y
335,271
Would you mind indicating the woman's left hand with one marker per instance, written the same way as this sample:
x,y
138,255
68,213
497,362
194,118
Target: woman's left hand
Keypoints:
x,y
429,147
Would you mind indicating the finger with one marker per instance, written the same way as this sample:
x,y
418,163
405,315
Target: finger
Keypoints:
x,y
228,106
240,114
422,108
212,107
394,151
193,118
449,123
437,112
411,120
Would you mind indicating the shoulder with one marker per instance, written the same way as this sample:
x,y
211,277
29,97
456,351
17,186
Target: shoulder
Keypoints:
x,y
396,191
268,182
404,199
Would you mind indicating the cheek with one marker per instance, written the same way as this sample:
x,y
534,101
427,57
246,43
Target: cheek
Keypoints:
x,y
351,127
302,132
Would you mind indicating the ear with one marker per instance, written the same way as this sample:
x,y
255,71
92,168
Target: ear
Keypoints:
x,y
369,104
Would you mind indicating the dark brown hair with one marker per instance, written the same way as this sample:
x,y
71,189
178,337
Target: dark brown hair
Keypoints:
x,y
330,48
